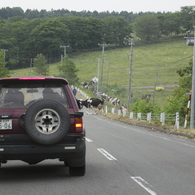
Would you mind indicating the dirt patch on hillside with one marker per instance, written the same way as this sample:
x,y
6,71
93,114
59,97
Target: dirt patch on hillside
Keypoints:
x,y
144,87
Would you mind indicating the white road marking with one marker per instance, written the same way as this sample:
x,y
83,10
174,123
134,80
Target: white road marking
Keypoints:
x,y
87,113
88,140
144,184
165,138
106,154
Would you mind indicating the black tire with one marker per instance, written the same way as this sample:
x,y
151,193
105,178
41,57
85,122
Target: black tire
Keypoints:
x,y
47,121
77,171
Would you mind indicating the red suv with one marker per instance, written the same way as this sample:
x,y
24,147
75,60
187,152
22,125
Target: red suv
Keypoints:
x,y
40,119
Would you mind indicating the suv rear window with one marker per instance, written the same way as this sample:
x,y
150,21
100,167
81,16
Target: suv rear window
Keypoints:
x,y
23,95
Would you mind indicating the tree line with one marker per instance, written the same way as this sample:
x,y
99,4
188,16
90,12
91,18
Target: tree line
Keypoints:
x,y
8,12
26,36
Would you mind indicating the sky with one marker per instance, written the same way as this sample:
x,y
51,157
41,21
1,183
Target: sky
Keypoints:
x,y
134,6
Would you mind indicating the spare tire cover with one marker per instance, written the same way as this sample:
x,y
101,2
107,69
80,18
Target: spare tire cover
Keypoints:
x,y
47,121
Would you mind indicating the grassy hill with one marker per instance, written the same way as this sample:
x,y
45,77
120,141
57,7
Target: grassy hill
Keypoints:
x,y
154,64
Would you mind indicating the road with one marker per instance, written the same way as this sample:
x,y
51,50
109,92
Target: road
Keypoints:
x,y
121,159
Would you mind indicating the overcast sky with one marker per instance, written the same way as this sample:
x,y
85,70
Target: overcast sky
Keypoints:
x,y
100,5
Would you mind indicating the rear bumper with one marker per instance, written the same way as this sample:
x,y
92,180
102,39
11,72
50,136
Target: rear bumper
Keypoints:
x,y
72,153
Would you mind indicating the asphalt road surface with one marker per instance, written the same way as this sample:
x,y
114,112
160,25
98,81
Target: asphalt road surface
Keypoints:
x,y
121,159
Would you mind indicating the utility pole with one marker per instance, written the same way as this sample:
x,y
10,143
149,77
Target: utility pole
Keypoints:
x,y
4,50
193,89
98,73
130,73
64,46
108,70
102,67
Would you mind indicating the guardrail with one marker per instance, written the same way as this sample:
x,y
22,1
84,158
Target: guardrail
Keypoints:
x,y
161,117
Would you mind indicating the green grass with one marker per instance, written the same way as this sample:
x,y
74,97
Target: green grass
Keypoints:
x,y
151,63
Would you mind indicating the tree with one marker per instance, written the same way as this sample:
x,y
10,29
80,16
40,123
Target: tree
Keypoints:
x,y
8,12
15,40
178,100
3,70
47,36
115,30
147,27
185,74
170,23
31,14
188,17
85,33
123,29
40,65
93,31
68,71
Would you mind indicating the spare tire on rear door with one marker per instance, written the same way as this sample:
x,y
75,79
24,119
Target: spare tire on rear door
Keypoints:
x,y
47,121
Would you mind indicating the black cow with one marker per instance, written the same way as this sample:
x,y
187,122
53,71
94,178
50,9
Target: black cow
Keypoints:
x,y
146,97
85,85
85,103
93,102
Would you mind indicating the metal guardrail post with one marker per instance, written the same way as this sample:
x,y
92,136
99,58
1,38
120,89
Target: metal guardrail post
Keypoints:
x,y
139,116
119,112
131,115
106,109
177,120
124,112
113,110
149,117
162,118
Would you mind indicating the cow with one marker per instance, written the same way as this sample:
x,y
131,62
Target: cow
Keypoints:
x,y
85,85
123,108
146,97
114,101
93,102
85,103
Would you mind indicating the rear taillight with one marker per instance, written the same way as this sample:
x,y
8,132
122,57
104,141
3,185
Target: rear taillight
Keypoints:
x,y
78,125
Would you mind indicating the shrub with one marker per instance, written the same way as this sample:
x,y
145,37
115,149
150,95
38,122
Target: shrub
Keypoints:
x,y
142,106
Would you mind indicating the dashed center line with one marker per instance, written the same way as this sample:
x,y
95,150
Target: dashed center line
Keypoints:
x,y
144,184
88,140
106,154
